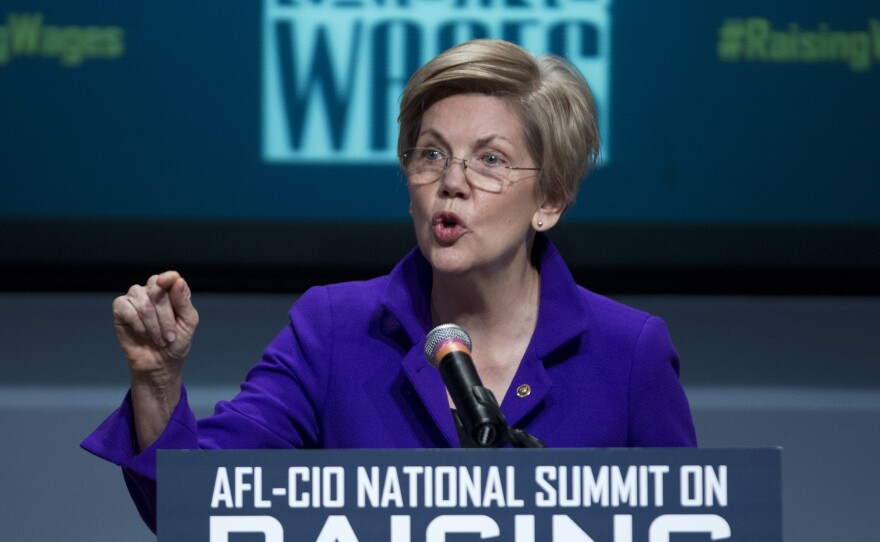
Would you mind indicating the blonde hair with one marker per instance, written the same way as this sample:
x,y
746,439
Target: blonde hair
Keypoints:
x,y
554,103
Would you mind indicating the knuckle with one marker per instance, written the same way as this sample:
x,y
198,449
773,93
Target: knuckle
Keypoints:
x,y
121,307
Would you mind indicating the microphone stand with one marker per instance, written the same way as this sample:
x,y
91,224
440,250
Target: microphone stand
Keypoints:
x,y
501,435
520,439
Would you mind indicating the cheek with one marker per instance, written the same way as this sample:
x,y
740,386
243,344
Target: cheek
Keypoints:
x,y
419,205
512,212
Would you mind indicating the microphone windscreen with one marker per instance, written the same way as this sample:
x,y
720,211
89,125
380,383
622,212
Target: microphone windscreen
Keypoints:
x,y
442,335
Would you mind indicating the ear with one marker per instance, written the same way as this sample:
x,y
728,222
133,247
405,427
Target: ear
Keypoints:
x,y
546,216
410,208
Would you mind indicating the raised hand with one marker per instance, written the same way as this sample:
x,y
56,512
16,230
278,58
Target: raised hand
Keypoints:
x,y
155,324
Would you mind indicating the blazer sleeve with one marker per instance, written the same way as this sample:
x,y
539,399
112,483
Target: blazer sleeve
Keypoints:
x,y
278,407
659,413
115,440
282,398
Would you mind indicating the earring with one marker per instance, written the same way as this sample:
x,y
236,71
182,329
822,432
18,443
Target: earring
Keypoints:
x,y
540,224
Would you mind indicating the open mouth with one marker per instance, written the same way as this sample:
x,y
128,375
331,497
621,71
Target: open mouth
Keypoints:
x,y
448,227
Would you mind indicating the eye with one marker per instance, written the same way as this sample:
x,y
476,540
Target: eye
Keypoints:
x,y
492,160
431,155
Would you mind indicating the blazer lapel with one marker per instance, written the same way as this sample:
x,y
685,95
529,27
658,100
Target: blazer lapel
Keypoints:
x,y
530,386
430,388
406,320
562,319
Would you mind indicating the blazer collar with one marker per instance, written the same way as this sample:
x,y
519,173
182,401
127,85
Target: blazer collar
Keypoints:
x,y
563,318
405,316
562,315
405,319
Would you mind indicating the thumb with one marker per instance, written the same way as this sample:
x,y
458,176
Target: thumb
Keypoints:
x,y
181,301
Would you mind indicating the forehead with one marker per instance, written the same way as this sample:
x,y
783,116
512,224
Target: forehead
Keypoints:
x,y
464,119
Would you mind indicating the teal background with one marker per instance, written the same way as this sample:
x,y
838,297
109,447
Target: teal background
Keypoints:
x,y
171,130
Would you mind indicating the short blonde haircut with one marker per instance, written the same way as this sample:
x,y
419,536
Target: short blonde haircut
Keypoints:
x,y
554,103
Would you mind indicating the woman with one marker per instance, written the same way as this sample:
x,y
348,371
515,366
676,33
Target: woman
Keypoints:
x,y
494,144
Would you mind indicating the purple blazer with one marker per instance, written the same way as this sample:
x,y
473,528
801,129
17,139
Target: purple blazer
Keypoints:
x,y
349,372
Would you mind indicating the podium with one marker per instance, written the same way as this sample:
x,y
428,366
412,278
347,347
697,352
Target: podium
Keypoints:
x,y
549,495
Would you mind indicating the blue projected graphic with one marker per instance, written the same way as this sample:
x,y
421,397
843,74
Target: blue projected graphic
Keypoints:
x,y
333,74
734,112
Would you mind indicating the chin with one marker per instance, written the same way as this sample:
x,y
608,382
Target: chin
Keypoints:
x,y
447,260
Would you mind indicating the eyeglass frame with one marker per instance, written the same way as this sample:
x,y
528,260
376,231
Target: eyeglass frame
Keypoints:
x,y
464,162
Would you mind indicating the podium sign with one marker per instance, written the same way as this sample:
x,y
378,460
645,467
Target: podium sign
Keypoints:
x,y
559,495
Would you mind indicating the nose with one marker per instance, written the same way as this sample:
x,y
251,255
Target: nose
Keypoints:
x,y
453,181
452,159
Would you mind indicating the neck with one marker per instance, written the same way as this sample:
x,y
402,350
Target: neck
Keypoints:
x,y
504,301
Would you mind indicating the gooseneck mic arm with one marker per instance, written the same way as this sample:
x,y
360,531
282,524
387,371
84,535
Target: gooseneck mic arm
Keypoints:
x,y
479,411
447,347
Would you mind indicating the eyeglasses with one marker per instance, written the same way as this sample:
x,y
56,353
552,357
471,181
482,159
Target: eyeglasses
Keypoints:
x,y
424,165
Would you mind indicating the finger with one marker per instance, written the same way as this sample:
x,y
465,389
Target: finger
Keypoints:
x,y
169,318
167,279
158,294
126,316
181,300
142,298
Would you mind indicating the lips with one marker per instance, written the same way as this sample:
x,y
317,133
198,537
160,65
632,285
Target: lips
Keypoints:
x,y
447,227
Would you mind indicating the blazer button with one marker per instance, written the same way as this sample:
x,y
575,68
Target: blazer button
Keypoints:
x,y
523,391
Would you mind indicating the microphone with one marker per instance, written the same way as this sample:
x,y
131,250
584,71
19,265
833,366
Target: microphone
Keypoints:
x,y
448,348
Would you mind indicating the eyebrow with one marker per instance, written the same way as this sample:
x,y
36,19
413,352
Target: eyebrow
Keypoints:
x,y
488,139
434,133
479,143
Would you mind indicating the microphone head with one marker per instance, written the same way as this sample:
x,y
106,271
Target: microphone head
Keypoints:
x,y
441,335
